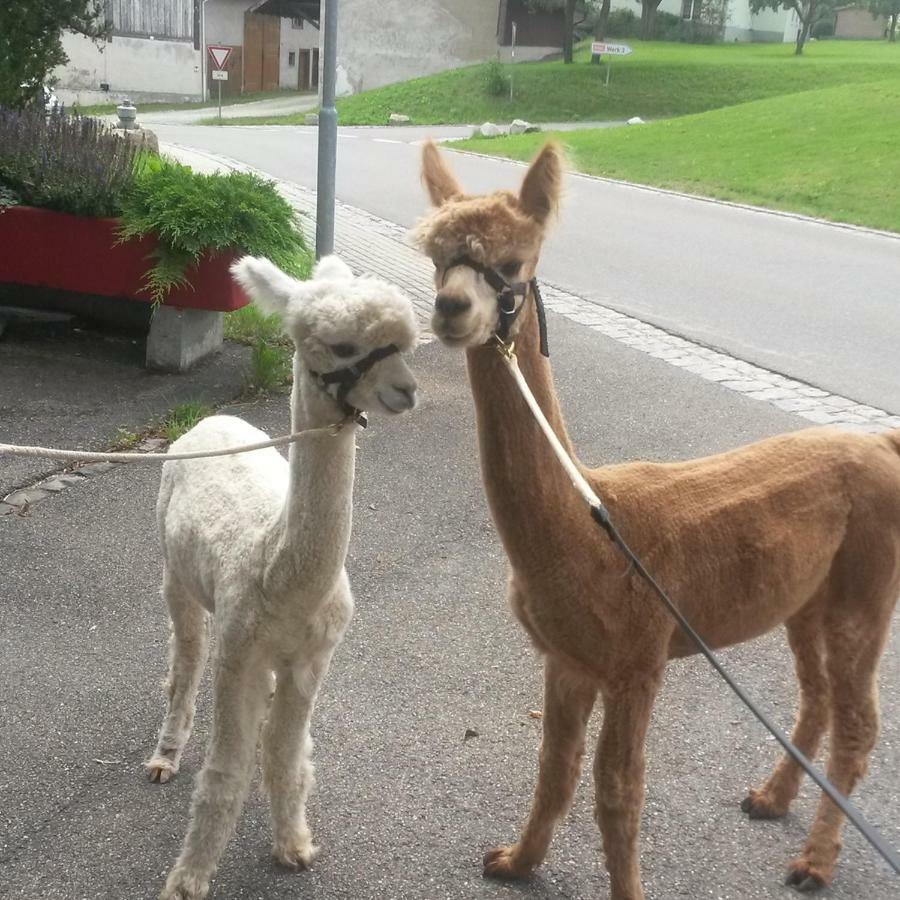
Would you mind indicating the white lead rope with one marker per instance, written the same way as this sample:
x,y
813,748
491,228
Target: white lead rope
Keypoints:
x,y
96,456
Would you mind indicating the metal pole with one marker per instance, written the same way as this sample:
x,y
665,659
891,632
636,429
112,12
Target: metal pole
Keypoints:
x,y
513,59
220,101
327,136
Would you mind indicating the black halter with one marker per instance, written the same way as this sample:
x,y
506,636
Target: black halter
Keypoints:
x,y
507,293
348,377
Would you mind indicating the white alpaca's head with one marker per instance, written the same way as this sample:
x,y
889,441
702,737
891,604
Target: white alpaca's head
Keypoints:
x,y
336,319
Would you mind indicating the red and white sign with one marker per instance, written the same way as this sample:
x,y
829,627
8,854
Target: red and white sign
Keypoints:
x,y
598,48
219,55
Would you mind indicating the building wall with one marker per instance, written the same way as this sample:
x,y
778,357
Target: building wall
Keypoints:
x,y
393,40
141,69
859,24
741,25
293,40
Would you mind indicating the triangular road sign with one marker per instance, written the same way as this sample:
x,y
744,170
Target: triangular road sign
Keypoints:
x,y
219,55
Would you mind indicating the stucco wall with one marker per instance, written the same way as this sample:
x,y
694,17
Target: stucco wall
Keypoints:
x,y
393,40
293,40
225,22
859,24
137,68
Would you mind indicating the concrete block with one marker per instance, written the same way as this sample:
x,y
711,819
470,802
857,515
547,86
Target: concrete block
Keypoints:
x,y
179,338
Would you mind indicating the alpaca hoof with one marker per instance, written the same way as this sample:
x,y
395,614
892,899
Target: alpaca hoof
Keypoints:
x,y
182,885
759,805
804,877
500,863
299,855
161,770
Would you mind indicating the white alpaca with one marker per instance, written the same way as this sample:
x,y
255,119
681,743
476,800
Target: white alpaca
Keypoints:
x,y
260,543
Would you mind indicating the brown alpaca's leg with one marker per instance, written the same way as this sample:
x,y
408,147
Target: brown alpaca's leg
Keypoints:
x,y
568,702
854,651
807,639
619,779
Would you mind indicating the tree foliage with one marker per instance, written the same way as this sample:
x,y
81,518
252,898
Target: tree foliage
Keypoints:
x,y
31,41
809,12
890,9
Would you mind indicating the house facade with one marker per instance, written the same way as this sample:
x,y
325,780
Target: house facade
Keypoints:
x,y
157,51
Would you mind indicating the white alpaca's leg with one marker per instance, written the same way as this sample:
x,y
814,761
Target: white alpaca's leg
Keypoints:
x,y
287,765
241,691
188,650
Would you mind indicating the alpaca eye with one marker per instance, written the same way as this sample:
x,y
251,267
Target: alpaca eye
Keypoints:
x,y
510,269
343,350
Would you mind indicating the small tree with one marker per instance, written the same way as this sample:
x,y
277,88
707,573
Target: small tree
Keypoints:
x,y
809,12
31,41
890,9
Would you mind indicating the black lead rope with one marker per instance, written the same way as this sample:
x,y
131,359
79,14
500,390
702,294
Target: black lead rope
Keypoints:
x,y
599,513
348,377
601,516
507,308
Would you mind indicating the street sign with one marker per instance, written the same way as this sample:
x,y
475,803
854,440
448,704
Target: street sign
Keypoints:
x,y
600,47
219,55
219,75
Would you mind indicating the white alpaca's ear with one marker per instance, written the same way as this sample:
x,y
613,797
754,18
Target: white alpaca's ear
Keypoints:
x,y
333,268
265,284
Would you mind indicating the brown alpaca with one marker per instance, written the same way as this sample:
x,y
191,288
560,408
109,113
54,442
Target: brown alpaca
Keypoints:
x,y
801,529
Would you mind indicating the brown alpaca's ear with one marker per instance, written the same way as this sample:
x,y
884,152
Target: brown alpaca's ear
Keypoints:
x,y
539,194
438,179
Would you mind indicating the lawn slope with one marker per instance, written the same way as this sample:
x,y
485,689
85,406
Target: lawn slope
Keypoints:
x,y
657,80
831,153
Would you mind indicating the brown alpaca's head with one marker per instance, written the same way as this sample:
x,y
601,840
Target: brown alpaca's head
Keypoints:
x,y
501,231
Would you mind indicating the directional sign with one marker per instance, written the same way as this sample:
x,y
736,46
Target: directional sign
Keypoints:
x,y
219,55
219,75
600,47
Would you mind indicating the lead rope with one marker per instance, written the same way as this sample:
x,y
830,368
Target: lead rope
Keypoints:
x,y
600,515
92,456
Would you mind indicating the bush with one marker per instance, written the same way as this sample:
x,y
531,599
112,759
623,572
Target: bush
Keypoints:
x,y
496,84
623,23
65,163
191,214
824,28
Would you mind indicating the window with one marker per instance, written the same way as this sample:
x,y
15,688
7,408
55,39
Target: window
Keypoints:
x,y
297,22
687,9
292,59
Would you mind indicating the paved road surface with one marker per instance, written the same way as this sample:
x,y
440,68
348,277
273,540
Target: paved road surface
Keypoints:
x,y
812,301
405,805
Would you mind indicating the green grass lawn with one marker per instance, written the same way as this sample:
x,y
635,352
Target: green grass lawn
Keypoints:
x,y
658,80
833,153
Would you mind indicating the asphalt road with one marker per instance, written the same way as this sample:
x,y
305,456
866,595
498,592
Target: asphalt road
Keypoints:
x,y
812,301
405,804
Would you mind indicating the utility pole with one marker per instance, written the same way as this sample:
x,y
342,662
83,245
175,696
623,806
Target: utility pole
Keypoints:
x,y
327,135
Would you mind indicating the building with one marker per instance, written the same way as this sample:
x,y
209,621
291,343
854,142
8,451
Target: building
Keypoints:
x,y
858,24
157,51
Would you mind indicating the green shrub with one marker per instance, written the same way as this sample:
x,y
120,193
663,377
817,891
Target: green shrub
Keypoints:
x,y
65,163
623,23
191,214
495,83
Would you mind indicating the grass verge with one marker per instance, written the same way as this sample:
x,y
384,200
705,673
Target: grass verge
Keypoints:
x,y
183,418
272,349
108,109
657,81
830,153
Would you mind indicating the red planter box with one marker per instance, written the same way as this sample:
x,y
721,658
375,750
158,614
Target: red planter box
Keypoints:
x,y
43,248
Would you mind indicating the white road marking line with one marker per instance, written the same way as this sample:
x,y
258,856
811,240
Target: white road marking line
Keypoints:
x,y
386,141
